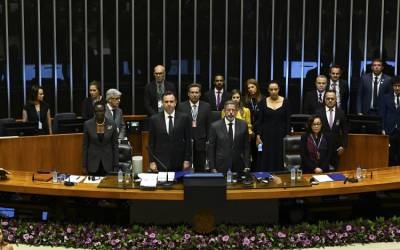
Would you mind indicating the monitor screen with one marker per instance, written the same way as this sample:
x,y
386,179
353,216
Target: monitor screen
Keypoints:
x,y
19,128
70,126
364,124
298,122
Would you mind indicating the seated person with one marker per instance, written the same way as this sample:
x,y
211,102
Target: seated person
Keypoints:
x,y
243,113
88,103
36,110
100,144
314,148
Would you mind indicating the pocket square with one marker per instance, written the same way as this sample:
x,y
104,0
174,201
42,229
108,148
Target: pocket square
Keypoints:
x,y
109,127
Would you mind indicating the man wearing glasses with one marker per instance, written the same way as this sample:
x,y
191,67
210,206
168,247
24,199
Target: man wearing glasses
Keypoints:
x,y
114,113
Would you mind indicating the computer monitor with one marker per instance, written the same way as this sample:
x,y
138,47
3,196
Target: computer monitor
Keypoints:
x,y
19,128
298,122
364,124
70,126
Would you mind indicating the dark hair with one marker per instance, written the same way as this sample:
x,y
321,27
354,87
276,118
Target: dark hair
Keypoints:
x,y
193,85
33,93
240,104
168,92
258,93
99,103
337,66
273,82
377,59
396,80
310,121
329,91
230,102
97,84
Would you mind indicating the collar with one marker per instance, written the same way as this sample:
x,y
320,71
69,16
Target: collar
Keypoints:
x,y
110,108
191,103
220,91
379,76
323,92
337,82
327,109
166,114
227,122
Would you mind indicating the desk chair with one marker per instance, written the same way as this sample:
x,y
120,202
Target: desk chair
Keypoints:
x,y
215,116
125,157
62,116
291,150
5,120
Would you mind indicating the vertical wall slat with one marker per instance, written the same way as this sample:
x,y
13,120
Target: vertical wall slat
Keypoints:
x,y
148,41
164,34
210,30
319,36
272,39
366,34
71,62
334,33
23,48
287,48
195,42
257,28
7,58
303,34
349,72
86,51
179,49
226,43
117,43
102,45
39,45
55,57
396,56
133,70
241,46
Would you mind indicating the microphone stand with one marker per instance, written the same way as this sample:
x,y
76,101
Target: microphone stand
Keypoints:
x,y
191,144
248,180
207,166
160,163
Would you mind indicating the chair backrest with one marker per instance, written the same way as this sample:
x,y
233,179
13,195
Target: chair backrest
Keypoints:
x,y
291,150
125,157
62,116
5,120
215,116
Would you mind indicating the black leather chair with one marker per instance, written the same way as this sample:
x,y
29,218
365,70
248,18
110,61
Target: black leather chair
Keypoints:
x,y
125,157
215,116
5,120
291,150
61,116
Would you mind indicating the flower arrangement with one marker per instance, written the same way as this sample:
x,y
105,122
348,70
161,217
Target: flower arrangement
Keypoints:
x,y
183,237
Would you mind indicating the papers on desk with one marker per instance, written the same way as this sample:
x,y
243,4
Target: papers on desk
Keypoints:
x,y
149,180
329,177
162,176
76,178
93,179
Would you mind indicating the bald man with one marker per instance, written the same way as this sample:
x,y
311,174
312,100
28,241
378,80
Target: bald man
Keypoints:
x,y
154,90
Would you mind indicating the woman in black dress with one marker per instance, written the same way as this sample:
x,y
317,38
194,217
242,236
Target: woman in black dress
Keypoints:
x,y
100,144
272,126
314,148
36,110
88,103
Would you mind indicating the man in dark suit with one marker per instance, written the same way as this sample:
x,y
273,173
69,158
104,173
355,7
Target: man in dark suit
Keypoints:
x,y
200,112
390,113
114,113
229,142
334,127
217,96
154,91
314,99
340,86
371,88
100,145
169,137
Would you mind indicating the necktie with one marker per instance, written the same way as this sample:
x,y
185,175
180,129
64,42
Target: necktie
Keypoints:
x,y
230,132
320,97
375,100
194,112
398,101
330,118
333,86
114,113
170,125
218,98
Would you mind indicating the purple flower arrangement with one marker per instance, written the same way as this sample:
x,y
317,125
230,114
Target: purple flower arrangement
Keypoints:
x,y
183,237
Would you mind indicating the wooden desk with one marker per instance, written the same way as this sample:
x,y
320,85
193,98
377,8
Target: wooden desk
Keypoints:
x,y
383,179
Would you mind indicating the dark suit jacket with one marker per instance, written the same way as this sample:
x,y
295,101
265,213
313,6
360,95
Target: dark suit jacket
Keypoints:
x,y
150,96
172,150
337,136
390,115
95,151
200,132
364,95
210,98
344,93
307,163
311,104
119,121
88,108
221,154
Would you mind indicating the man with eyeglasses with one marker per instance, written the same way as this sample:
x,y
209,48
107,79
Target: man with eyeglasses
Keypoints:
x,y
154,90
114,112
334,126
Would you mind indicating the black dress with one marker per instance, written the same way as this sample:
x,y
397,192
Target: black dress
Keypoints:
x,y
272,125
34,116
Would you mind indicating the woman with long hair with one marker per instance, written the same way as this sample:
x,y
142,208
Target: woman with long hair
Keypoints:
x,y
88,103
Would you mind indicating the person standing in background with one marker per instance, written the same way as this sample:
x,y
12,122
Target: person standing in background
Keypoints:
x,y
88,103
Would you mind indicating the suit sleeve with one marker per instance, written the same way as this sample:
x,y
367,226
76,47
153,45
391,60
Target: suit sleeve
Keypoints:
x,y
307,164
360,95
122,128
382,112
345,130
147,101
212,139
207,120
115,149
188,139
306,109
85,147
246,147
152,139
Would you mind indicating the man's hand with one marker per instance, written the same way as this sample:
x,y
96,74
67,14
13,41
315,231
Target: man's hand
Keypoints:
x,y
340,150
153,167
318,170
186,165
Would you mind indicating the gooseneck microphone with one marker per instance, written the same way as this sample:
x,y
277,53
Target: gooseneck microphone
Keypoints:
x,y
160,163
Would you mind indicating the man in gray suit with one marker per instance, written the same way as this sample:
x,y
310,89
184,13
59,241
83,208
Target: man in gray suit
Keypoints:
x,y
372,87
229,142
114,113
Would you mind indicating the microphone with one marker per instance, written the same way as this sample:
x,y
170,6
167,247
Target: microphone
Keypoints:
x,y
160,163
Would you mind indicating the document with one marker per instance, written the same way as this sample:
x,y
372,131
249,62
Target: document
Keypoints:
x,y
76,178
322,178
162,176
149,180
93,179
